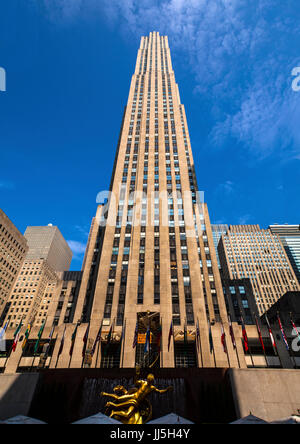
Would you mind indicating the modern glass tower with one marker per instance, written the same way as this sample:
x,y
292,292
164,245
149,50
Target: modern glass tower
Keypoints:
x,y
151,259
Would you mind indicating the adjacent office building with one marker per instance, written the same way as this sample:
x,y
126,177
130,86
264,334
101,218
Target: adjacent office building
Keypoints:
x,y
49,244
13,248
47,254
290,238
218,230
247,251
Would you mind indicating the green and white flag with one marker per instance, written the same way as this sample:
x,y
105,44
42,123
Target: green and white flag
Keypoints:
x,y
39,336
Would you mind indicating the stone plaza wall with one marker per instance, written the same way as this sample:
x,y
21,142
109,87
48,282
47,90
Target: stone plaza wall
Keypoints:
x,y
16,393
270,394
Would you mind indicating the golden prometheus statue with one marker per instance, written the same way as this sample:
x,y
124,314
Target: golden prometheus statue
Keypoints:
x,y
131,406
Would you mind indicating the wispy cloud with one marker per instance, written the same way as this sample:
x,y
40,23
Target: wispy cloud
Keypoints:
x,y
244,219
241,54
6,185
225,188
78,248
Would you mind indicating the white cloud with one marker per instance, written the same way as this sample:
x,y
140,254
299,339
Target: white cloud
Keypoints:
x,y
243,220
6,185
241,54
78,248
225,188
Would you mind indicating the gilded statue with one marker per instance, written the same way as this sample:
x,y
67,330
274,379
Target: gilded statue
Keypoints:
x,y
131,406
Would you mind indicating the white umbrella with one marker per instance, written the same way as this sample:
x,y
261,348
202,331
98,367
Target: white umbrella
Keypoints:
x,y
171,418
97,419
20,419
250,419
291,420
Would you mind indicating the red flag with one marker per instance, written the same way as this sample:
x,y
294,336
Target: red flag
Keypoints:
x,y
271,334
259,334
245,337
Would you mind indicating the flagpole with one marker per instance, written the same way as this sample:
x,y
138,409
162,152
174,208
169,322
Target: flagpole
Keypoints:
x,y
123,345
260,338
161,364
249,349
292,322
210,339
52,351
97,355
73,343
274,345
11,347
25,339
223,338
235,347
285,339
85,344
199,340
61,345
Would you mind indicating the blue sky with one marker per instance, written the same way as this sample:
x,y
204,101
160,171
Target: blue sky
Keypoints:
x,y
69,65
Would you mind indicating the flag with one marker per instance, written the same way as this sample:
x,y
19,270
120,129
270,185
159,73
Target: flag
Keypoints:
x,y
98,338
171,333
27,333
295,328
122,335
39,336
16,336
245,337
198,335
3,330
185,339
159,335
231,333
147,342
135,338
223,338
282,332
211,344
62,341
49,342
85,339
271,334
73,340
259,334
109,338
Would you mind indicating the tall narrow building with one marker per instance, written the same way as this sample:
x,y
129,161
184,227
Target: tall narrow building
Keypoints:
x,y
151,258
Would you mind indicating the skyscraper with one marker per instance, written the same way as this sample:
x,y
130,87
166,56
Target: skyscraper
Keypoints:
x,y
151,258
290,238
247,251
13,247
49,244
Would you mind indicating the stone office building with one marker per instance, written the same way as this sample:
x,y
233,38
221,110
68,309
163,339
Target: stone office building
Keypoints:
x,y
247,251
150,263
13,248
